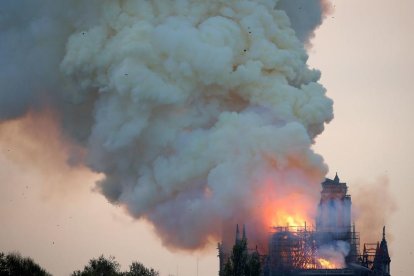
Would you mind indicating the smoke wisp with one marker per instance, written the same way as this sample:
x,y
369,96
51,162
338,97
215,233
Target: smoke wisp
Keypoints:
x,y
374,206
333,255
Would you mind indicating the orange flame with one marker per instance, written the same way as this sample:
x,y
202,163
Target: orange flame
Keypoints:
x,y
282,198
285,209
324,263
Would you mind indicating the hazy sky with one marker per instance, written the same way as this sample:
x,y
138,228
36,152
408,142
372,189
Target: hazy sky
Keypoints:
x,y
364,49
365,54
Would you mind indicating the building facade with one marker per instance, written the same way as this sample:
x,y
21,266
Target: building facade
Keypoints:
x,y
304,250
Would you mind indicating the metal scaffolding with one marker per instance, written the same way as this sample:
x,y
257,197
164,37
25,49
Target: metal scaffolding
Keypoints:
x,y
297,247
368,254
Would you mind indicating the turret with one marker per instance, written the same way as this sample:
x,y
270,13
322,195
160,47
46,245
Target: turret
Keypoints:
x,y
382,258
336,179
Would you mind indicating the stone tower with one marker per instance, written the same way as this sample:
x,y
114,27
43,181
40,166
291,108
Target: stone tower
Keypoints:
x,y
334,210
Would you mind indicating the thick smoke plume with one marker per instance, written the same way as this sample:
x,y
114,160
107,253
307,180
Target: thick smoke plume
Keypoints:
x,y
197,112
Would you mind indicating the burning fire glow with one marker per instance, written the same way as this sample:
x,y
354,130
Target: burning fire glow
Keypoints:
x,y
280,218
279,203
324,263
291,209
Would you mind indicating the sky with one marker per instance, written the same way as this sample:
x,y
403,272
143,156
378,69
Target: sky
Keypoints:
x,y
50,211
364,53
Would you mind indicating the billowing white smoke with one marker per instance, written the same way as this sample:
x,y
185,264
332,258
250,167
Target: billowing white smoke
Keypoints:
x,y
189,107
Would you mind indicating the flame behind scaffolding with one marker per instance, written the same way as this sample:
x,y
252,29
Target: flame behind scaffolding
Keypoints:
x,y
329,248
299,247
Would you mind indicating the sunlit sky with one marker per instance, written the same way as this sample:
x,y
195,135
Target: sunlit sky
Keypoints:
x,y
48,211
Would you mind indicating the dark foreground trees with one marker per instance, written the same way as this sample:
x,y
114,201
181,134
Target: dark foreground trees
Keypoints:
x,y
14,264
110,267
241,262
100,266
138,269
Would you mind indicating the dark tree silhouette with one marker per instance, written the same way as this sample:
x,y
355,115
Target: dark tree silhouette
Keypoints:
x,y
14,264
100,267
228,269
138,269
241,263
239,258
255,266
110,267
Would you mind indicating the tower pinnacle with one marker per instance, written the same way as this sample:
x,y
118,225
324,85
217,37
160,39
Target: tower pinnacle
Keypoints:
x,y
336,179
237,234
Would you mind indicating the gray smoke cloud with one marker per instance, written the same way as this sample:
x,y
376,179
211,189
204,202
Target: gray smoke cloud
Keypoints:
x,y
305,15
189,108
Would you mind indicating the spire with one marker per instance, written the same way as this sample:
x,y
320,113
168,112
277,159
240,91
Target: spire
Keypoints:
x,y
384,248
237,234
336,179
382,258
244,232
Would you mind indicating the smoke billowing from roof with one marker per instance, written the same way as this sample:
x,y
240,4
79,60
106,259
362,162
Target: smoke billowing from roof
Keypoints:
x,y
196,112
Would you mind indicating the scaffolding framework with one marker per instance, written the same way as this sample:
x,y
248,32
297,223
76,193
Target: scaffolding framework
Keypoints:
x,y
368,254
297,247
